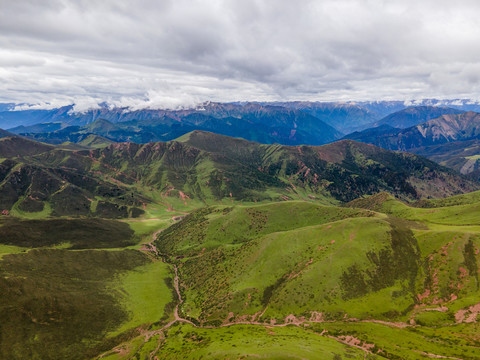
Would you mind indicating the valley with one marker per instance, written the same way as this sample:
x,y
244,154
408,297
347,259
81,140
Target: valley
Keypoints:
x,y
216,247
196,180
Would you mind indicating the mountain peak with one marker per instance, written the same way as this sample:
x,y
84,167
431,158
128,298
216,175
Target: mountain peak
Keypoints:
x,y
415,115
101,125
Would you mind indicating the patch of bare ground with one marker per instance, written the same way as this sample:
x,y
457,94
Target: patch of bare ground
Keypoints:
x,y
435,356
353,341
399,325
469,315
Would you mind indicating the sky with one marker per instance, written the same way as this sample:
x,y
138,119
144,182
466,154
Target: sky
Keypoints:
x,y
177,53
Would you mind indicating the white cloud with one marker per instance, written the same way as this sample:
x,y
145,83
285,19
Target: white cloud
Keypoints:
x,y
175,53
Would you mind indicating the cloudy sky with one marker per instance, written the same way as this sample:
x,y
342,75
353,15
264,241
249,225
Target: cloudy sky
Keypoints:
x,y
166,53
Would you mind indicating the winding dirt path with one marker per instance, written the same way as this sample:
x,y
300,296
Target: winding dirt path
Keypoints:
x,y
151,247
178,318
303,323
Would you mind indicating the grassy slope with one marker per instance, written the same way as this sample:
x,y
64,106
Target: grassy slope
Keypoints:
x,y
279,255
235,265
64,304
187,342
54,303
236,262
449,241
459,341
145,294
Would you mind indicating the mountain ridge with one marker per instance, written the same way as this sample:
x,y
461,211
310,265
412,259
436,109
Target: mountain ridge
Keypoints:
x,y
266,124
209,168
415,115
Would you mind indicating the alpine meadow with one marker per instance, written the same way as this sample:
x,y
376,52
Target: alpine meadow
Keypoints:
x,y
239,180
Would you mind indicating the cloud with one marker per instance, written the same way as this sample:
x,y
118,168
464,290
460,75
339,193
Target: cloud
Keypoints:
x,y
175,53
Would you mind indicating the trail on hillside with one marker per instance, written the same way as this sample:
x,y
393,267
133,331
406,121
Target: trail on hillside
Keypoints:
x,y
289,320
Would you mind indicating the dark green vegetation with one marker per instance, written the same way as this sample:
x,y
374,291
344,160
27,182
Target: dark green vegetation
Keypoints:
x,y
63,300
56,304
71,233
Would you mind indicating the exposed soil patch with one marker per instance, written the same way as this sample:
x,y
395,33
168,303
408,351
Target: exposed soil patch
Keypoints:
x,y
469,315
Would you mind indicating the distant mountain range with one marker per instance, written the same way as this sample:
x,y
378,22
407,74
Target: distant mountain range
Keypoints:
x,y
451,140
424,129
415,115
266,124
344,117
288,123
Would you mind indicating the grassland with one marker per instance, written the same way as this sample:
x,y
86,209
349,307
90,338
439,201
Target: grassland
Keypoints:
x,y
61,300
414,268
378,278
10,249
458,341
146,294
79,233
242,341
292,258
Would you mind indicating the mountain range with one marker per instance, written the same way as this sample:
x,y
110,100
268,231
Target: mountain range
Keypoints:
x,y
415,115
449,139
267,124
288,123
116,244
114,180
413,129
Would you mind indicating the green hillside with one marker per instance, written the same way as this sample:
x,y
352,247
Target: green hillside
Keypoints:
x,y
394,281
272,280
214,247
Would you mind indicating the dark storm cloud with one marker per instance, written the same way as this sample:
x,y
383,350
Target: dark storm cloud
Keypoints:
x,y
169,53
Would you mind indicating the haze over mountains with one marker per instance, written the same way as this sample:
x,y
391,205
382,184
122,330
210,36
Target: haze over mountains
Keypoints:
x,y
289,123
